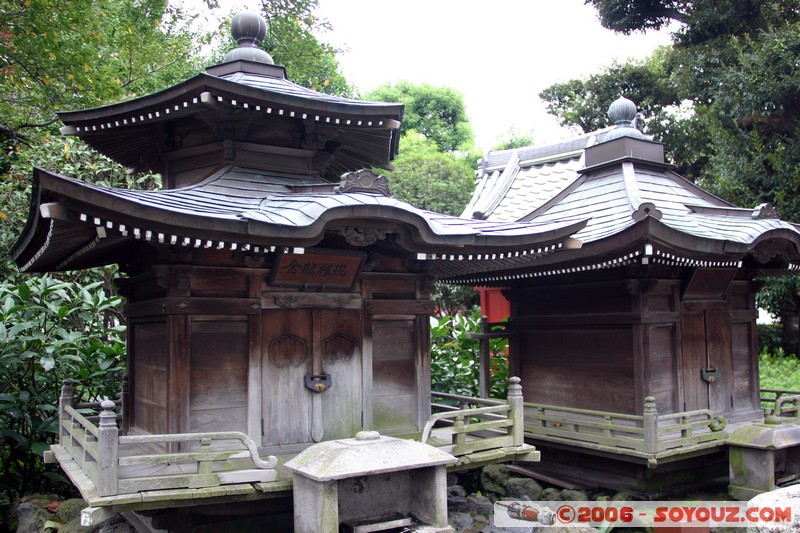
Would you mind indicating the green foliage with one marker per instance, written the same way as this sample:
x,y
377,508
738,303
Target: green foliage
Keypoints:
x,y
780,296
437,113
50,330
292,25
292,30
513,139
769,337
625,16
455,357
66,55
430,179
779,371
702,20
452,299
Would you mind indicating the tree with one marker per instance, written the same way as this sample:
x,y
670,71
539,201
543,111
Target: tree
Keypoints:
x,y
438,113
701,20
66,55
292,26
430,179
291,41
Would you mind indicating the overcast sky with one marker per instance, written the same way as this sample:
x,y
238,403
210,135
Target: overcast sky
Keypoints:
x,y
499,54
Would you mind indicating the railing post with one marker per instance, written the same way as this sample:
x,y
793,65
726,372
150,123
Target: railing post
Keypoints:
x,y
461,435
108,445
650,423
517,411
66,399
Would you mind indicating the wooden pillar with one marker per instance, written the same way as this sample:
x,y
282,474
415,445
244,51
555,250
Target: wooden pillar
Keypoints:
x,y
125,399
484,359
484,363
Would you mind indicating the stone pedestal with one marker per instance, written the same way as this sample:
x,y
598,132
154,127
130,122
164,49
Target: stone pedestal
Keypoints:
x,y
370,479
758,455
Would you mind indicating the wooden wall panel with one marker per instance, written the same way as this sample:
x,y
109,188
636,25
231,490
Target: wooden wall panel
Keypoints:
x,y
150,377
222,284
661,379
662,298
575,299
394,381
741,296
589,368
745,363
218,373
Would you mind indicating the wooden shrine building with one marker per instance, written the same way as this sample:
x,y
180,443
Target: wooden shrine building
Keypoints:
x,y
275,290
653,317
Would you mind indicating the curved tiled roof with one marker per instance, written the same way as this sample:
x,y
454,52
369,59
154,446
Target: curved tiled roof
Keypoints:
x,y
129,132
238,208
638,211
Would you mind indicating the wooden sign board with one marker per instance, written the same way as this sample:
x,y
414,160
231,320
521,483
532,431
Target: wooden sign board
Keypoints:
x,y
317,268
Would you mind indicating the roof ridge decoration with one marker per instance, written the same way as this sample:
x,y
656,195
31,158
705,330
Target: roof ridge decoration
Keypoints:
x,y
364,181
641,208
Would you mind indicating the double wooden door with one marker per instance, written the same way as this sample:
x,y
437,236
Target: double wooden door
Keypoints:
x,y
707,360
721,341
311,375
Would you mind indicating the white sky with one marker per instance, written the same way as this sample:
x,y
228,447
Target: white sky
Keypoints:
x,y
499,54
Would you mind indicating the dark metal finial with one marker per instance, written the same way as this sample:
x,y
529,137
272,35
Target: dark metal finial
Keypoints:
x,y
622,112
249,29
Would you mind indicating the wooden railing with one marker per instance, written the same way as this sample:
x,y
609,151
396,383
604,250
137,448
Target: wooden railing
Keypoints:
x,y
778,402
462,429
649,434
116,465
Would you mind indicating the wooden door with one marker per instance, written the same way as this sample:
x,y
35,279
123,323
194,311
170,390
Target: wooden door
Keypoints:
x,y
301,342
285,360
706,344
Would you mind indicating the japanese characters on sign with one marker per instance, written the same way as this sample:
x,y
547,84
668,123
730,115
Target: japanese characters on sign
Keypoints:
x,y
317,268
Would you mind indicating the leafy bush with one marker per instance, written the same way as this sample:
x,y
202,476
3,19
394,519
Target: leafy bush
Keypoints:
x,y
455,357
769,337
779,371
50,330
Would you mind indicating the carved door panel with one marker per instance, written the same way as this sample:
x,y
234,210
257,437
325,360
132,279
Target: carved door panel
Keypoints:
x,y
285,360
338,353
706,345
311,375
